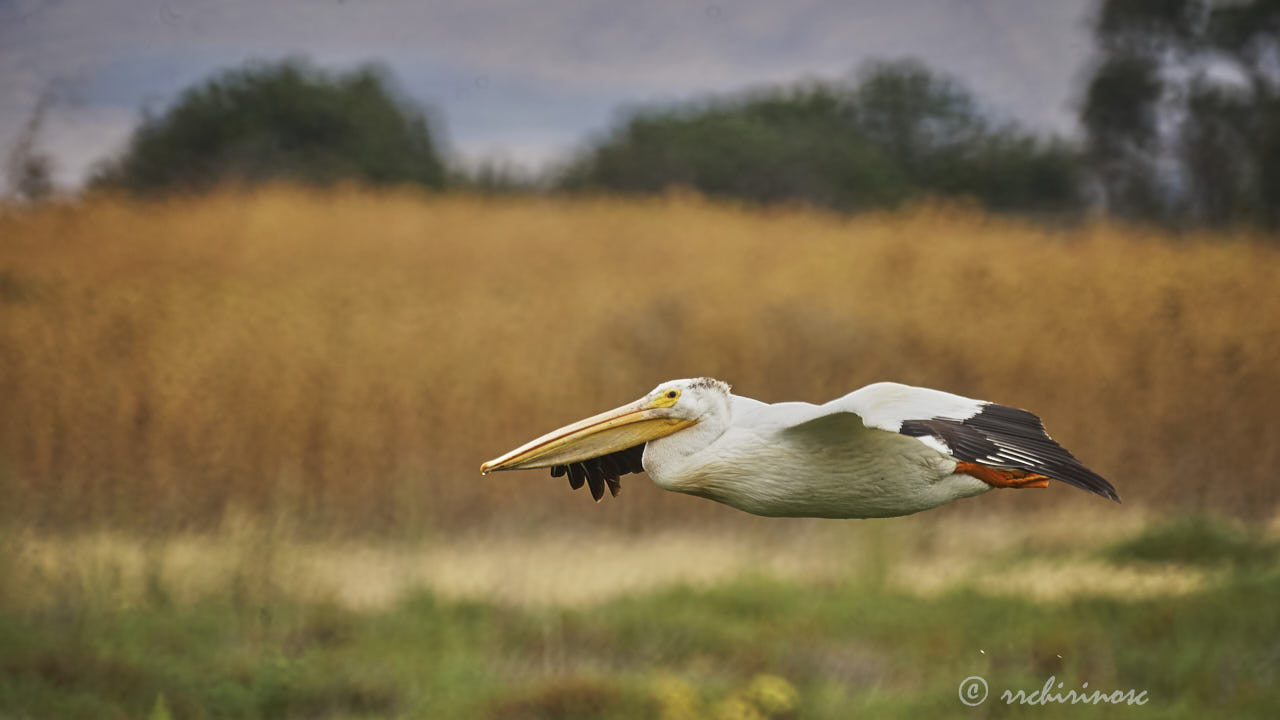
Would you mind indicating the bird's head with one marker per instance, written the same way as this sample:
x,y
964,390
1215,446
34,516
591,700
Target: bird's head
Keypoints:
x,y
690,399
668,408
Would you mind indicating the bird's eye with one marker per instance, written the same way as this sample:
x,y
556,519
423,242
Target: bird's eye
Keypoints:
x,y
672,394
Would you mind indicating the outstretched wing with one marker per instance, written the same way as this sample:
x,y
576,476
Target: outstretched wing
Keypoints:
x,y
972,431
600,471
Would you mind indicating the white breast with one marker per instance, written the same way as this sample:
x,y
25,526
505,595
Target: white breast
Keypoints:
x,y
843,471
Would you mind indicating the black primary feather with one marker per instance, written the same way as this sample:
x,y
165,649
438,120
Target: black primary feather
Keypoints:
x,y
604,471
1007,437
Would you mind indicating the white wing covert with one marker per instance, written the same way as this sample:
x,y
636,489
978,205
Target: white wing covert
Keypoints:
x,y
972,431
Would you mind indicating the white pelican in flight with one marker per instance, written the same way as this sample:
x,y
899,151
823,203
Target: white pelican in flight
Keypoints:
x,y
880,451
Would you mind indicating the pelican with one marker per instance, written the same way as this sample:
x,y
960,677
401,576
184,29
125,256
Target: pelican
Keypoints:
x,y
881,451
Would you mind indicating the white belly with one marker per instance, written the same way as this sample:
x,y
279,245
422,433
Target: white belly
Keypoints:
x,y
875,474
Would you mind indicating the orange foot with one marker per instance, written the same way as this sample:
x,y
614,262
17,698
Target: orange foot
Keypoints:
x,y
1001,477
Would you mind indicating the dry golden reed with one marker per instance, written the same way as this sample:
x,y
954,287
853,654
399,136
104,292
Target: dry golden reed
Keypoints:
x,y
350,357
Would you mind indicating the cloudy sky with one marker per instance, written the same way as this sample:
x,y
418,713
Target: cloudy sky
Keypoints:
x,y
521,81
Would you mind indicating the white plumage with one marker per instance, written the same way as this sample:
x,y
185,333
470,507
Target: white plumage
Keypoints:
x,y
883,450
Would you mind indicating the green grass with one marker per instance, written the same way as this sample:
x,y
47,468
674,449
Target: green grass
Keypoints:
x,y
847,649
1200,540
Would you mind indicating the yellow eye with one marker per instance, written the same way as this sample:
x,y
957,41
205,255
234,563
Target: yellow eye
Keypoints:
x,y
673,394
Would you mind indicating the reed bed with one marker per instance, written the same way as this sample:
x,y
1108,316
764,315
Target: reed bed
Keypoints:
x,y
345,359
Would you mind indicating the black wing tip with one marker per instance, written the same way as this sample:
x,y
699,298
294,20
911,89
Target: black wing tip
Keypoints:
x,y
577,474
1014,422
1107,491
596,485
1006,436
602,472
1082,477
1102,490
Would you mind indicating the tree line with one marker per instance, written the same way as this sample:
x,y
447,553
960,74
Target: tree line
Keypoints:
x,y
1180,114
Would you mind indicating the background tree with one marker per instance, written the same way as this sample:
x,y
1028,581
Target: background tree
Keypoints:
x,y
276,121
894,132
1182,111
29,171
933,131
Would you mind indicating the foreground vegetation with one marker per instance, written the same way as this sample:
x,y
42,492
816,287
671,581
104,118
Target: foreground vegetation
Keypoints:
x,y
753,647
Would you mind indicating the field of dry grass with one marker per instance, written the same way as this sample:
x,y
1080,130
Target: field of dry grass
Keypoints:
x,y
1043,558
346,359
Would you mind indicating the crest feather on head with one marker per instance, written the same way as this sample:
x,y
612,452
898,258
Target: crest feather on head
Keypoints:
x,y
710,384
